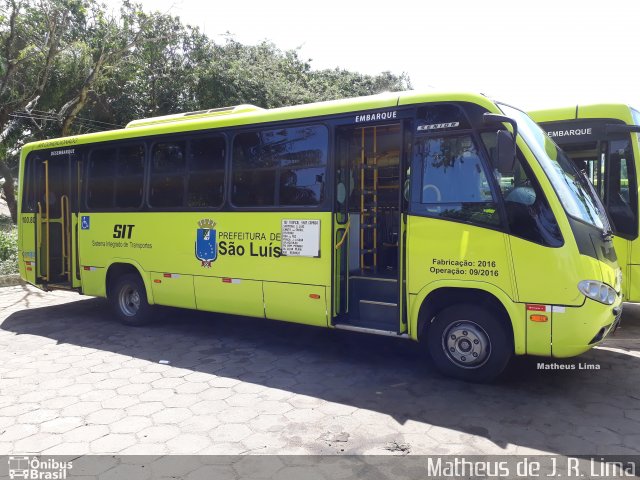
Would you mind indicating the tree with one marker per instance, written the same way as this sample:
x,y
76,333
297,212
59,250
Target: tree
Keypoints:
x,y
31,35
340,83
103,46
69,67
269,77
160,76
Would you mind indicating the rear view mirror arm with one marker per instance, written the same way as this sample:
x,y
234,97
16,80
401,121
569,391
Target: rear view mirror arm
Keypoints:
x,y
620,128
491,118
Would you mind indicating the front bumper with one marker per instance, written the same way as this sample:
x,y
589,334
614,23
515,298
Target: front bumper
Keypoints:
x,y
578,329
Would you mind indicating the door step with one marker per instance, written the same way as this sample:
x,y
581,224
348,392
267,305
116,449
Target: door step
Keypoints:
x,y
374,289
378,313
374,331
60,286
379,304
373,279
373,303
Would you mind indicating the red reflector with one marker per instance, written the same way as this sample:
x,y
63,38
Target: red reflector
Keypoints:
x,y
27,263
167,275
86,268
226,280
539,318
315,296
157,281
536,308
29,269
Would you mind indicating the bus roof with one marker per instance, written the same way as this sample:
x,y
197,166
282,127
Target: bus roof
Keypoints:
x,y
618,111
250,114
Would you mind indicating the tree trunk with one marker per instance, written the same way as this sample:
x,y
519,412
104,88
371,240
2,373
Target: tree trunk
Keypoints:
x,y
71,109
9,190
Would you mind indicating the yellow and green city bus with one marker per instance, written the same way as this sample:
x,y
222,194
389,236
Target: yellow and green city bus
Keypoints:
x,y
440,217
602,140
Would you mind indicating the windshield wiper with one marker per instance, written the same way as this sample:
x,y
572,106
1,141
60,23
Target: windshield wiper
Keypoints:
x,y
607,232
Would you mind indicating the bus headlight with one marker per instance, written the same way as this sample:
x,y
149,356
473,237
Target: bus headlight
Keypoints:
x,y
598,291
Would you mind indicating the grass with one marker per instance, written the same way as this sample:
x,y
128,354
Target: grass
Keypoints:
x,y
8,246
5,222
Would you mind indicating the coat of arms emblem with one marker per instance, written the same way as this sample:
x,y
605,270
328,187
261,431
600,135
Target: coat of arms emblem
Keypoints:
x,y
206,247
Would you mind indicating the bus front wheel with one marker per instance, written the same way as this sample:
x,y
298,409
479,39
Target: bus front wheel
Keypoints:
x,y
128,298
470,343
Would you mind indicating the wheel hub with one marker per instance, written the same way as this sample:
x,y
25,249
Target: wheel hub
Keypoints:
x,y
129,300
466,344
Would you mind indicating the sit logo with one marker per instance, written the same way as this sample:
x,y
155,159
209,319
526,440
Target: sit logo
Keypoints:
x,y
206,245
37,468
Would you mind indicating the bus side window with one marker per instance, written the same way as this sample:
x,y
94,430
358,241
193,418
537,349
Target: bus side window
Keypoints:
x,y
303,171
130,176
280,167
167,175
253,178
450,181
528,212
206,165
30,195
101,178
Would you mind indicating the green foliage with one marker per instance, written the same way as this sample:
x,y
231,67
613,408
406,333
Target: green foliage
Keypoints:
x,y
72,66
8,247
269,77
93,70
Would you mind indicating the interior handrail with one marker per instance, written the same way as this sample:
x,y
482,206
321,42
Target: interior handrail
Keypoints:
x,y
38,233
46,207
65,217
344,235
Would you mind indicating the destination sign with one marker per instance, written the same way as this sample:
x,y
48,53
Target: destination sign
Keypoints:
x,y
300,238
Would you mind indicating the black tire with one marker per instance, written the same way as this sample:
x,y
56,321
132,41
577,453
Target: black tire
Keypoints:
x,y
470,343
128,298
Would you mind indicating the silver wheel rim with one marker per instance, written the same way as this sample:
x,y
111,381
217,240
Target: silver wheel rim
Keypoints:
x,y
466,344
129,300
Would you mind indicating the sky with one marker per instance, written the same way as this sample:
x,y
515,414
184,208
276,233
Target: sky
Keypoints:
x,y
532,54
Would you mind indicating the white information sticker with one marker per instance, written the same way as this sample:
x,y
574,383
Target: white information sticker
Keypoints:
x,y
300,238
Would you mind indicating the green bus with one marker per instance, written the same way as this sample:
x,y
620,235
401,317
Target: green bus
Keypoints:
x,y
602,140
439,217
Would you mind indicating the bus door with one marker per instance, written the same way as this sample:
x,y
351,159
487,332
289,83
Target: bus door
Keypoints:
x,y
55,198
368,228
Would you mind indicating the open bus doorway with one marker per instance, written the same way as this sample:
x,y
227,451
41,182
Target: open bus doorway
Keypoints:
x,y
369,200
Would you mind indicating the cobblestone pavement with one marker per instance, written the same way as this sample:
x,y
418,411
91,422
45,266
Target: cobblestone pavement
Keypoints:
x,y
74,381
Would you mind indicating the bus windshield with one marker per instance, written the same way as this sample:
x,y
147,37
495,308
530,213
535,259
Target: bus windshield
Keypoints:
x,y
576,195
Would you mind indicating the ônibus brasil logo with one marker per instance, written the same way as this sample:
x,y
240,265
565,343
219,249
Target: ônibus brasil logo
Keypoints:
x,y
206,245
35,468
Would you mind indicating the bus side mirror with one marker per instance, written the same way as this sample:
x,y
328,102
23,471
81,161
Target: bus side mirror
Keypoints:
x,y
505,141
505,151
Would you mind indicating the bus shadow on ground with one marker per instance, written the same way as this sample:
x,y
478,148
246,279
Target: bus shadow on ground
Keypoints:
x,y
590,405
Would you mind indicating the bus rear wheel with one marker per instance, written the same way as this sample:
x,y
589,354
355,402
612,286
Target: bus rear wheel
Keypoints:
x,y
470,343
128,299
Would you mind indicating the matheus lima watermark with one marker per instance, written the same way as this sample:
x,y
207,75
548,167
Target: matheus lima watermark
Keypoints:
x,y
567,366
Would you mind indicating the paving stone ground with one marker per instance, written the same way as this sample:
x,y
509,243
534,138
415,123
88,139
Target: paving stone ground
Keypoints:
x,y
74,381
